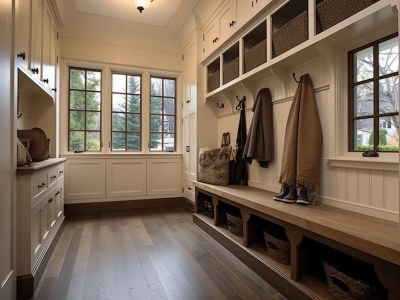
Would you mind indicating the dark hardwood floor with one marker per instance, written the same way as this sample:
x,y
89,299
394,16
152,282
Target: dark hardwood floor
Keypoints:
x,y
156,253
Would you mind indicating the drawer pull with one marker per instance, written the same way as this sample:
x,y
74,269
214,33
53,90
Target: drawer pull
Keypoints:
x,y
61,172
58,193
53,177
42,185
50,200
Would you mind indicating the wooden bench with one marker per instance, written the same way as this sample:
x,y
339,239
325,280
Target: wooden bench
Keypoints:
x,y
314,232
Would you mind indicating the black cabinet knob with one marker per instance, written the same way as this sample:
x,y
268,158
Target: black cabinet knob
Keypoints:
x,y
21,55
35,70
50,200
41,185
45,80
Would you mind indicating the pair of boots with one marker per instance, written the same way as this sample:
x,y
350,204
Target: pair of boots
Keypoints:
x,y
289,195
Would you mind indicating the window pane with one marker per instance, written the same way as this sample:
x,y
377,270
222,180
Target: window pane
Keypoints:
x,y
76,140
156,87
388,56
156,105
389,133
133,84
118,121
93,81
133,142
155,141
77,100
118,83
169,87
118,102
169,142
389,95
364,99
76,120
77,79
92,120
156,123
364,138
169,124
133,104
169,106
93,101
93,141
363,65
133,122
118,141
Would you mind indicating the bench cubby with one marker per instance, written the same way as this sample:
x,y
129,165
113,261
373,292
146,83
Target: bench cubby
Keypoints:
x,y
351,243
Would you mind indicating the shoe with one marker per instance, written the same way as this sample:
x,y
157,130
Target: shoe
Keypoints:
x,y
303,198
291,197
282,194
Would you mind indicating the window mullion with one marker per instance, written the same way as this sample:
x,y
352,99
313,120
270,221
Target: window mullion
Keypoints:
x,y
376,96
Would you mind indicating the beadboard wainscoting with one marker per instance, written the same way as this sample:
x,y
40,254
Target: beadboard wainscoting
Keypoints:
x,y
105,178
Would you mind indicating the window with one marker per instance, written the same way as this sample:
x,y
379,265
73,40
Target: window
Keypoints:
x,y
126,112
162,114
374,96
84,113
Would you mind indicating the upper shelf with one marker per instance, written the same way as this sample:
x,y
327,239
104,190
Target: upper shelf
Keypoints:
x,y
325,43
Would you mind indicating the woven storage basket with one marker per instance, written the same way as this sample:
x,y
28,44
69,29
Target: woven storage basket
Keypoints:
x,y
235,224
291,34
213,81
277,249
231,70
344,287
331,12
255,56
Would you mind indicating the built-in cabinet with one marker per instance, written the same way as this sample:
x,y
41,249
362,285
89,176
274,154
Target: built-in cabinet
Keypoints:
x,y
40,214
36,43
91,179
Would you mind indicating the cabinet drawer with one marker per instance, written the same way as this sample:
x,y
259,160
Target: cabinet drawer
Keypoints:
x,y
53,176
39,184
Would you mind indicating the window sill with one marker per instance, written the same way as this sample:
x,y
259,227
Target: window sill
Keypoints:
x,y
122,155
369,163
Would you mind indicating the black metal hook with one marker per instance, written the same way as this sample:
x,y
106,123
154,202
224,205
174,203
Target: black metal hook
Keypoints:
x,y
294,77
239,105
220,105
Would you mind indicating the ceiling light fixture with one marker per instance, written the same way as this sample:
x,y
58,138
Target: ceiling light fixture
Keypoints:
x,y
142,4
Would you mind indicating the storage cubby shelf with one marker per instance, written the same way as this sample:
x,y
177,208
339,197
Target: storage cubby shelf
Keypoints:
x,y
381,13
315,232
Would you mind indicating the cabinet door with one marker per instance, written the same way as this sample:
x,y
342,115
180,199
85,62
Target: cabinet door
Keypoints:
x,y
227,20
40,228
189,153
164,176
210,37
49,48
23,10
189,77
59,203
36,35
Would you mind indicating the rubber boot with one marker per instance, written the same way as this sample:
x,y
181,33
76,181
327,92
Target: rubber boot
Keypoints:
x,y
303,198
292,196
282,194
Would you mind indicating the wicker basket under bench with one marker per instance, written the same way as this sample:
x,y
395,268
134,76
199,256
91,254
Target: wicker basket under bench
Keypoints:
x,y
313,232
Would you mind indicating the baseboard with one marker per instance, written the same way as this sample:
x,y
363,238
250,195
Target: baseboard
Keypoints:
x,y
79,208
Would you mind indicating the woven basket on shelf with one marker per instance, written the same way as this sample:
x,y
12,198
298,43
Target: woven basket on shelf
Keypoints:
x,y
231,70
255,56
277,249
344,287
213,81
235,224
331,12
291,34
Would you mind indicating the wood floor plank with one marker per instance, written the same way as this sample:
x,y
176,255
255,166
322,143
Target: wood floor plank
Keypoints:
x,y
156,253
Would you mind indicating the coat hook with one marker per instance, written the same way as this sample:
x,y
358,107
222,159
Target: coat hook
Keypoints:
x,y
19,115
239,105
294,77
220,105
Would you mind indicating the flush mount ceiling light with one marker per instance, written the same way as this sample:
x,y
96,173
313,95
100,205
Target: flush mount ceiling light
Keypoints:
x,y
142,4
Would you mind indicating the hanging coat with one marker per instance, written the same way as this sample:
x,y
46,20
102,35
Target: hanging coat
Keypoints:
x,y
302,149
260,141
239,173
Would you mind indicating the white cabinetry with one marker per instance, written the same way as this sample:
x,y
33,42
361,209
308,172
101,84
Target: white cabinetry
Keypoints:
x,y
220,27
36,41
189,154
189,76
164,176
247,9
40,213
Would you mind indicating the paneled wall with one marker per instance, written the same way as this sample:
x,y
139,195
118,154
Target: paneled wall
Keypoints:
x,y
346,181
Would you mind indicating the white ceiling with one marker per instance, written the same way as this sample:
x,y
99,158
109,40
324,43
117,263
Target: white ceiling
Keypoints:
x,y
159,13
